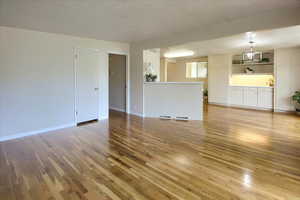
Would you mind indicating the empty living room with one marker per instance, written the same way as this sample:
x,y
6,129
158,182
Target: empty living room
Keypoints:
x,y
149,100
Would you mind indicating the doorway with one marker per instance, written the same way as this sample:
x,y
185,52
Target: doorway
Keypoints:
x,y
117,82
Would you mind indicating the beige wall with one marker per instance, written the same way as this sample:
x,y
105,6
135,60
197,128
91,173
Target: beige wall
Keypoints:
x,y
37,79
171,69
287,81
163,70
176,72
117,82
218,78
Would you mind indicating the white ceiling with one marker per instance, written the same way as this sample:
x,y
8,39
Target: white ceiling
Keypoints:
x,y
264,40
128,20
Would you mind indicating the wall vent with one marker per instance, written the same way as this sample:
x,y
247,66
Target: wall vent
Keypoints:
x,y
165,117
182,118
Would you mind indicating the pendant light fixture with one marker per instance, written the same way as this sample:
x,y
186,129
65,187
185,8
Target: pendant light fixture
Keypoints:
x,y
251,56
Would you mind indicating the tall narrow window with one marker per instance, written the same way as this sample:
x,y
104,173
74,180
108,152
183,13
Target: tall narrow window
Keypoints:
x,y
196,70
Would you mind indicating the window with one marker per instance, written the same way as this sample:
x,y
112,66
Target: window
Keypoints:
x,y
196,70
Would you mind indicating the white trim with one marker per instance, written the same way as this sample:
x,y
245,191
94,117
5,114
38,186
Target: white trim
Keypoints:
x,y
249,107
219,104
136,114
284,111
75,83
21,135
240,106
275,77
247,86
101,113
117,109
102,118
174,83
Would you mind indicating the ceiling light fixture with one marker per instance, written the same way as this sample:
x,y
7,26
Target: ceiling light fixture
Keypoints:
x,y
176,54
251,55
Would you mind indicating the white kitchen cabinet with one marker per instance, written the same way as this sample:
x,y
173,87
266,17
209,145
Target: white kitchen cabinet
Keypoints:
x,y
251,97
236,95
265,98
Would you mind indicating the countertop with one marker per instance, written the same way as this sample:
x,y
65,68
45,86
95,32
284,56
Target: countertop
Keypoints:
x,y
251,86
175,83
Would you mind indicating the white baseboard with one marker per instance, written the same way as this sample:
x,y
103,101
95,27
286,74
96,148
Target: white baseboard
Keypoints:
x,y
284,111
250,107
218,104
117,109
21,135
102,118
240,106
136,114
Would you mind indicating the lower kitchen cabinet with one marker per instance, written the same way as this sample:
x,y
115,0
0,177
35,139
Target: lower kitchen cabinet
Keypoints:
x,y
265,98
252,97
236,95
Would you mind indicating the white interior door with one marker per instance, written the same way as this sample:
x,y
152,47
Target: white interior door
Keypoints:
x,y
88,65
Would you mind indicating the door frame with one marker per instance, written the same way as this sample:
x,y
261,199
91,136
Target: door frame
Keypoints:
x,y
75,65
127,78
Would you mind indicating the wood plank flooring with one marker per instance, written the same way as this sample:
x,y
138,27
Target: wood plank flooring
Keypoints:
x,y
232,154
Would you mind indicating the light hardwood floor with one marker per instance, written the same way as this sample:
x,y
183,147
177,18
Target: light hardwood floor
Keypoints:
x,y
232,154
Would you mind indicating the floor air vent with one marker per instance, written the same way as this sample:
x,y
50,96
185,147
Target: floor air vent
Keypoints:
x,y
182,118
165,117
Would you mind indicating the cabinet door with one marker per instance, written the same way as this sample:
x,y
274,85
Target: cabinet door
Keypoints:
x,y
236,95
265,98
250,96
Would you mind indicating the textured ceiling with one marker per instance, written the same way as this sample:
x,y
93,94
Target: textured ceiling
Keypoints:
x,y
128,20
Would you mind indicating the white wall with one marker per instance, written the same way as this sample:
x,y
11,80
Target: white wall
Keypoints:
x,y
37,78
152,57
219,67
174,99
287,81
